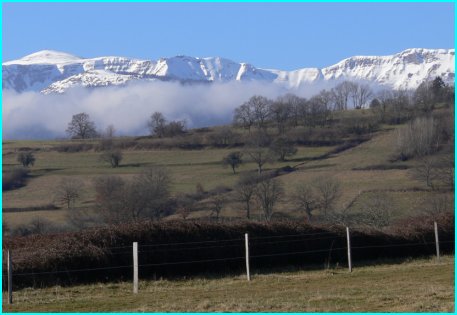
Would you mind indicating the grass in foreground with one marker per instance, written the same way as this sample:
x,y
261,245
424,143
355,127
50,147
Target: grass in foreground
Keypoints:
x,y
414,286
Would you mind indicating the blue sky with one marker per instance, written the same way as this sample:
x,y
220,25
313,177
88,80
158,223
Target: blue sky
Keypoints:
x,y
281,36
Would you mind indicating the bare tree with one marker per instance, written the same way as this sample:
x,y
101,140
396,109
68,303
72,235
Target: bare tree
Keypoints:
x,y
363,94
257,149
426,171
305,116
260,107
282,148
26,158
377,211
81,127
338,99
445,172
353,92
244,191
260,156
424,98
110,198
400,108
68,191
419,138
305,199
146,195
268,192
295,104
233,159
156,124
280,113
216,205
244,116
381,103
341,94
319,108
328,190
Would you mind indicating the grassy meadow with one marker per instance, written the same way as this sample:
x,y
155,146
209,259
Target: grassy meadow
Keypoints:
x,y
423,285
188,168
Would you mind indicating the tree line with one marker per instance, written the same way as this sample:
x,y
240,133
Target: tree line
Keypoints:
x,y
289,110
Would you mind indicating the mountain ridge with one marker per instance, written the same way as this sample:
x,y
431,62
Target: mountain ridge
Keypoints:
x,y
50,71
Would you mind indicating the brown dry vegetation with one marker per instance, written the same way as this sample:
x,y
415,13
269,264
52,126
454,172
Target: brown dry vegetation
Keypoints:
x,y
164,244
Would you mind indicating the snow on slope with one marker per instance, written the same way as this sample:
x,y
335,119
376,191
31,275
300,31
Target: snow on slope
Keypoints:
x,y
55,72
404,70
45,57
89,79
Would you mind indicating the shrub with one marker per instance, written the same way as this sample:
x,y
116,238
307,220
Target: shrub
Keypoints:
x,y
26,159
111,247
73,147
144,196
222,137
233,159
113,157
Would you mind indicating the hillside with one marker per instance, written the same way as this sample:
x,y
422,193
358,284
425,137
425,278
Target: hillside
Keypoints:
x,y
74,207
364,171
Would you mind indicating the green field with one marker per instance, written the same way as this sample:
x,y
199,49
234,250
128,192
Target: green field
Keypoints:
x,y
412,286
191,167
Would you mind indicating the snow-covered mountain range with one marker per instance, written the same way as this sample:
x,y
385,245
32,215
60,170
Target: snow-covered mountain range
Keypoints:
x,y
54,72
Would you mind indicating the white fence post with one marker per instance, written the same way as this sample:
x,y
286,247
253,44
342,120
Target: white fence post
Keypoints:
x,y
246,239
135,267
437,241
10,278
349,249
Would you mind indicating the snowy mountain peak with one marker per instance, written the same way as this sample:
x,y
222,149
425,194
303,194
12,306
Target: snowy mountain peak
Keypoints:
x,y
51,71
46,57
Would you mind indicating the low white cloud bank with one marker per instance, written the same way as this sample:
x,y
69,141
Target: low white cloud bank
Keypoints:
x,y
33,115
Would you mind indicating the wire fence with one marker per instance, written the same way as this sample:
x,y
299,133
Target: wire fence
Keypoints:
x,y
158,248
93,261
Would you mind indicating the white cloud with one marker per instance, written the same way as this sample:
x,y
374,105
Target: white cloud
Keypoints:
x,y
33,115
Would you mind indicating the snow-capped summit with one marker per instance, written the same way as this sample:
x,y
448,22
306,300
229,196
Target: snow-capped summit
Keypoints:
x,y
51,71
45,57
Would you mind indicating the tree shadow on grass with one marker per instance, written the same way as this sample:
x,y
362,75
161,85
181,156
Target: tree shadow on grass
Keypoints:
x,y
312,167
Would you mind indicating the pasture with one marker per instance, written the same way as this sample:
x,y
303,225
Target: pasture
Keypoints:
x,y
422,285
363,170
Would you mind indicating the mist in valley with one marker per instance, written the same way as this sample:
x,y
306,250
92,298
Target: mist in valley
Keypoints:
x,y
33,115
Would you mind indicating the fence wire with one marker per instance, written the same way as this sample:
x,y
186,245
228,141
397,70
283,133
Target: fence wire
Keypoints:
x,y
223,259
27,249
